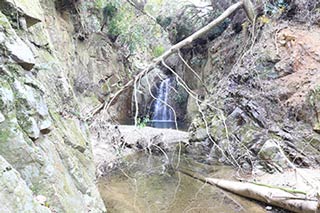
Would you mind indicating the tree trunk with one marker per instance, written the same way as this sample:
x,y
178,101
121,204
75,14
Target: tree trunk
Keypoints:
x,y
273,196
250,11
289,199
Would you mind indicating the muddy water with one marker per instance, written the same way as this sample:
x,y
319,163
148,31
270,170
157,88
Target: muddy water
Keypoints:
x,y
145,183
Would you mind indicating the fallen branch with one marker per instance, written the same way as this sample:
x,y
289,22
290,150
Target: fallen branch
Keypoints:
x,y
270,195
292,191
285,198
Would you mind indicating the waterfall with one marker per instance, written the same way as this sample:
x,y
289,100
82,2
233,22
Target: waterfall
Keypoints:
x,y
163,116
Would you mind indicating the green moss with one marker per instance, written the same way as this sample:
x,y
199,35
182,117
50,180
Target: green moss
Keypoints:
x,y
4,21
70,129
164,21
4,133
24,121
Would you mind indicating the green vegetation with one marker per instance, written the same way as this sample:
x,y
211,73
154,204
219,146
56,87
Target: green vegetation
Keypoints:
x,y
164,21
142,122
276,7
122,24
181,97
129,27
110,10
158,50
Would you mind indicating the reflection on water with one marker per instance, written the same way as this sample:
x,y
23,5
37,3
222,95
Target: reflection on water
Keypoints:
x,y
147,184
163,124
182,126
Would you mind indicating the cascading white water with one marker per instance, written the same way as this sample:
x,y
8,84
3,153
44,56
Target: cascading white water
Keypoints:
x,y
163,116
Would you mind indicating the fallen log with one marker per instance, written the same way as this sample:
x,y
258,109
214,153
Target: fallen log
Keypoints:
x,y
295,202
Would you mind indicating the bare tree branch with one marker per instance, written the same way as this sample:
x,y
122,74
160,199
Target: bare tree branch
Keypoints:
x,y
141,9
179,45
187,41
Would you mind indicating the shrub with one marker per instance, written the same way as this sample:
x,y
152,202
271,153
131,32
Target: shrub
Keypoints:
x,y
158,50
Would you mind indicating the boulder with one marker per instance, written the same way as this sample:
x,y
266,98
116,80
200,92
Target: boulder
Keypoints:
x,y
199,135
273,155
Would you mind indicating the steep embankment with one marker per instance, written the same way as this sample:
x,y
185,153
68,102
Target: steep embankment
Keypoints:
x,y
52,68
262,108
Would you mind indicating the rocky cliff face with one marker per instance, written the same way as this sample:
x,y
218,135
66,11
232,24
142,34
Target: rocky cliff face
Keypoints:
x,y
52,71
262,106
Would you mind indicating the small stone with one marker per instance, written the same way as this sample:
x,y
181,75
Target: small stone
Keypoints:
x,y
45,126
41,199
268,208
23,23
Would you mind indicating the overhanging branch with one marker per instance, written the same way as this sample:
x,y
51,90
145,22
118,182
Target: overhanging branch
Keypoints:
x,y
248,6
